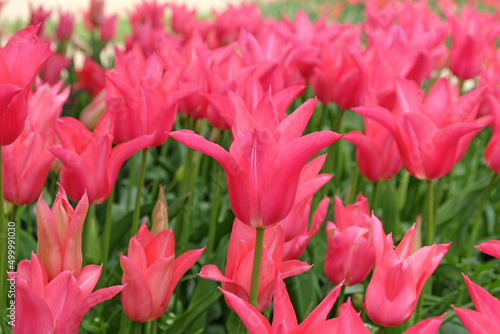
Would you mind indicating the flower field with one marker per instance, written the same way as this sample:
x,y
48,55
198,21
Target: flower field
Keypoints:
x,y
274,167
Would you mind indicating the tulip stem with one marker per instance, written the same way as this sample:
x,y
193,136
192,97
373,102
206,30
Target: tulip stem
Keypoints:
x,y
3,246
429,237
340,300
254,288
475,222
381,329
374,195
107,232
140,184
138,328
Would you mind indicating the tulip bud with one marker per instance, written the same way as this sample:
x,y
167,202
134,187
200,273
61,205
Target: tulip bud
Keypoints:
x,y
160,214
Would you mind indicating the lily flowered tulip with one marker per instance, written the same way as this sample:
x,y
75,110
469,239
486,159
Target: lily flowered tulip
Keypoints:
x,y
427,326
285,321
486,317
264,161
20,60
432,135
55,306
240,262
151,273
90,163
350,255
60,234
491,247
399,277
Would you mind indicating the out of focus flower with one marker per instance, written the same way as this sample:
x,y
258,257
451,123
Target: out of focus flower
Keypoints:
x,y
21,59
65,27
151,273
92,77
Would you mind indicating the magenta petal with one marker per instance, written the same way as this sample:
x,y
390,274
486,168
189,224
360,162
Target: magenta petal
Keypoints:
x,y
255,322
475,322
159,276
88,278
95,298
490,247
136,297
293,126
427,326
32,309
283,308
483,301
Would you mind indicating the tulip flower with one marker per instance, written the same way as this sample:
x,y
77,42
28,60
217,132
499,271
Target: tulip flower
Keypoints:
x,y
434,134
295,225
377,153
285,321
21,59
473,35
91,78
350,255
65,27
57,305
60,234
427,326
143,94
264,161
485,319
399,277
239,263
90,163
151,273
26,162
491,247
492,151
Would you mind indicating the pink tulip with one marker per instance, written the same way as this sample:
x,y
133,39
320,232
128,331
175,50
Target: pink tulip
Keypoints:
x,y
350,255
20,60
399,277
377,153
107,29
94,17
427,326
285,321
264,161
491,247
474,34
65,27
485,319
432,135
90,163
58,305
151,273
26,162
60,233
52,70
144,95
240,261
297,233
91,78
492,151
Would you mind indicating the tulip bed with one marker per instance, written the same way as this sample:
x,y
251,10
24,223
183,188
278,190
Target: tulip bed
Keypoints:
x,y
331,170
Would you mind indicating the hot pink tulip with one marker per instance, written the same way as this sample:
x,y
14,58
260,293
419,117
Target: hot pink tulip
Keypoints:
x,y
91,77
432,135
58,305
492,152
474,34
144,95
377,153
94,17
264,161
491,247
20,60
26,162
90,163
65,27
485,319
427,326
399,277
151,273
350,255
285,321
240,262
60,234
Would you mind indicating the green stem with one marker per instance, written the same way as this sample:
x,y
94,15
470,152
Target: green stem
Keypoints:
x,y
254,288
429,237
140,184
381,329
475,222
149,326
87,232
138,328
353,189
107,232
3,246
373,201
163,152
131,175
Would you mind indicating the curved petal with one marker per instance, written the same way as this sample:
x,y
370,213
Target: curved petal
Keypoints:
x,y
136,297
490,247
36,314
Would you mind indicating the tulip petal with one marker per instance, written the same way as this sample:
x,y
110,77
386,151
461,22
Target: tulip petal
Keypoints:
x,y
73,243
136,297
321,311
36,314
428,326
255,322
88,278
283,308
158,276
483,301
475,322
490,247
294,125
